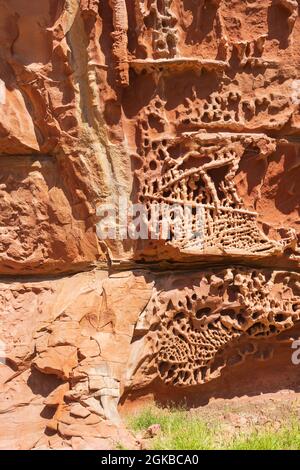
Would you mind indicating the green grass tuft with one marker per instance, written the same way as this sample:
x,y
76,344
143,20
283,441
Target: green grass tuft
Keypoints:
x,y
184,430
286,438
179,429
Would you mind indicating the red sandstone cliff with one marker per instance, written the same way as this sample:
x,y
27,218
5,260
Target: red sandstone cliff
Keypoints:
x,y
164,102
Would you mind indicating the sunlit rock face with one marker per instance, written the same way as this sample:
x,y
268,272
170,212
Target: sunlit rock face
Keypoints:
x,y
169,103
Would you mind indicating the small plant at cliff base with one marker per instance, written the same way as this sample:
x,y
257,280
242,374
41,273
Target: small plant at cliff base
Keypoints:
x,y
183,430
179,429
286,438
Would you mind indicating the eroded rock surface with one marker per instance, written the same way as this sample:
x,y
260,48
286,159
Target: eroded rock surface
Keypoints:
x,y
174,102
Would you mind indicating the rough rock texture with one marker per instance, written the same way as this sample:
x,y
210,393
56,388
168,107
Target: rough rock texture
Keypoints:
x,y
68,341
165,101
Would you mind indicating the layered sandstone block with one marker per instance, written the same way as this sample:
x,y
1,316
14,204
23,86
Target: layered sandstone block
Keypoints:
x,y
42,227
168,103
67,343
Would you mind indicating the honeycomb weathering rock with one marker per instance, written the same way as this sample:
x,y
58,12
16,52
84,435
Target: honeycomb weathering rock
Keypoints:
x,y
75,346
165,102
204,174
195,325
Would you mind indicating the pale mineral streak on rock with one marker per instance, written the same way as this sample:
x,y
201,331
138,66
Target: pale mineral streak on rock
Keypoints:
x,y
167,102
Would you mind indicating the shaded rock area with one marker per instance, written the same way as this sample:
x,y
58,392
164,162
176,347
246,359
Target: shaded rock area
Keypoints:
x,y
173,102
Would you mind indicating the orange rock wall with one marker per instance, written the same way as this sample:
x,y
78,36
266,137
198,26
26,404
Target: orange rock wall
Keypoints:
x,y
164,102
